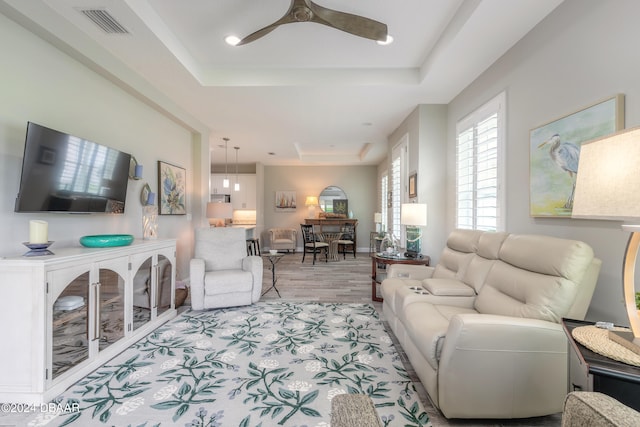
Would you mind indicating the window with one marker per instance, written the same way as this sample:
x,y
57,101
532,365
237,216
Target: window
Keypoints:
x,y
398,187
384,191
478,167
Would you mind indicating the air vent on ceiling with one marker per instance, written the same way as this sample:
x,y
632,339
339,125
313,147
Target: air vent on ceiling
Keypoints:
x,y
105,21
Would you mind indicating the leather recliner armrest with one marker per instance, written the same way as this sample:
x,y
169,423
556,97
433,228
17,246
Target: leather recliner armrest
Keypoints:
x,y
488,361
408,271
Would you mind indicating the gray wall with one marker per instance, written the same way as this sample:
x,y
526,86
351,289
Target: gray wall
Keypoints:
x,y
358,182
585,51
39,83
426,132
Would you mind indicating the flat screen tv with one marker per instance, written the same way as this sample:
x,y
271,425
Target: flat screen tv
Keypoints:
x,y
65,173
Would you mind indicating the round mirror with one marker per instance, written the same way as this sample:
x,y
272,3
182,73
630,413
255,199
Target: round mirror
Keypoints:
x,y
333,200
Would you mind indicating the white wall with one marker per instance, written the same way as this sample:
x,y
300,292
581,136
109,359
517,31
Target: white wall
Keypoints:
x,y
358,182
39,83
585,51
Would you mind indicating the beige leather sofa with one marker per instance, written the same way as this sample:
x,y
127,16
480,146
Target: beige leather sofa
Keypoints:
x,y
482,327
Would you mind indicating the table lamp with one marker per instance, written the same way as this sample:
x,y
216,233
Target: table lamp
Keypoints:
x,y
608,187
311,202
219,212
413,216
377,219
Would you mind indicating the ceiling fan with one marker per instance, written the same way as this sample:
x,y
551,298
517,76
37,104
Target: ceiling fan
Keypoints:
x,y
308,11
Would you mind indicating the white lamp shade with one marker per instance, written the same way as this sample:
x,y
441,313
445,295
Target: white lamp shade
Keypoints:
x,y
377,217
608,179
413,214
219,210
311,201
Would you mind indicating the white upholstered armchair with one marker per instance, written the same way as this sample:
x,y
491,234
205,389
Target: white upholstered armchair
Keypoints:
x,y
222,275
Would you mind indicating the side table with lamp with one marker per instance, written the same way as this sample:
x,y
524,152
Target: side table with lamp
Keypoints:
x,y
608,187
413,216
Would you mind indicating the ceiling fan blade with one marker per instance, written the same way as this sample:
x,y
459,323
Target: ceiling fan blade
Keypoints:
x,y
353,24
266,30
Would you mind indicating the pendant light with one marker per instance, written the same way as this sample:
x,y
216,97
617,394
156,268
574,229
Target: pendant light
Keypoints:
x,y
236,187
225,182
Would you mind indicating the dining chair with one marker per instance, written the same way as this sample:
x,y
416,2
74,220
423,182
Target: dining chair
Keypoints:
x,y
312,244
348,239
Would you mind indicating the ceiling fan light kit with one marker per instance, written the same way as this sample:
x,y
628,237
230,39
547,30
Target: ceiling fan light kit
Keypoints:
x,y
308,11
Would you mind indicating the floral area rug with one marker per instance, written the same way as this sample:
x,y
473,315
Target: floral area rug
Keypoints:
x,y
269,364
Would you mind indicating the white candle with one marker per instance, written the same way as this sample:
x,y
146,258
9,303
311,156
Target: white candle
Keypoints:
x,y
38,231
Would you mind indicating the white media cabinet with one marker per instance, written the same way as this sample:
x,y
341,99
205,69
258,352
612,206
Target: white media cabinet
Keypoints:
x,y
64,315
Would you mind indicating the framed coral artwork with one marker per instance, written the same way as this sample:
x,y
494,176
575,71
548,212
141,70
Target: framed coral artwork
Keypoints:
x,y
172,189
554,151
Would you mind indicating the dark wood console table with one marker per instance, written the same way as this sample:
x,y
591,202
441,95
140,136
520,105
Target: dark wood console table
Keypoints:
x,y
590,371
333,224
376,259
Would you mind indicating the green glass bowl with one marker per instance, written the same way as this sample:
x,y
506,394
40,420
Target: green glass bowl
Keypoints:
x,y
106,240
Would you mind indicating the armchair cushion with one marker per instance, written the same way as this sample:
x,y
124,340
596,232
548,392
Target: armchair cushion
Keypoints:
x,y
223,281
220,250
447,287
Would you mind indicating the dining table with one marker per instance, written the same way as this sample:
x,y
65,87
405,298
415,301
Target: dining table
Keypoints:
x,y
332,239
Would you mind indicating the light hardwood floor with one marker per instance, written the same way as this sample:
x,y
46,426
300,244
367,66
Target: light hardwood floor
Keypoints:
x,y
349,281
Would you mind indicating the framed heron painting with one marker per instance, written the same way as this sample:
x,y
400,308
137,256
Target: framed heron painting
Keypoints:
x,y
554,151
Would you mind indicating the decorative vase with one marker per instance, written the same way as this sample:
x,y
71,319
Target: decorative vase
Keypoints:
x,y
389,245
150,222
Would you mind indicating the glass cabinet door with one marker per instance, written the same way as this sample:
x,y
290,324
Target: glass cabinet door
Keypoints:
x,y
70,325
111,326
142,294
163,279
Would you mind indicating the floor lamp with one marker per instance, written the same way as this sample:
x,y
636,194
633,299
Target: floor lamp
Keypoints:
x,y
413,216
608,187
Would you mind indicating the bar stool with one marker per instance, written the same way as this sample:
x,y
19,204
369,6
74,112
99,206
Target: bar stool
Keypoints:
x,y
253,247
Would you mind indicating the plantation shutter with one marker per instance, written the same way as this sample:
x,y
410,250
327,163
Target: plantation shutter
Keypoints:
x,y
478,171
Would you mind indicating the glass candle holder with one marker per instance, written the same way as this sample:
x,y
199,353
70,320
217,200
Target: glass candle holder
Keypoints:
x,y
150,222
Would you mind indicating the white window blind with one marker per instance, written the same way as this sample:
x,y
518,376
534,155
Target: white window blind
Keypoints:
x,y
396,193
478,168
384,190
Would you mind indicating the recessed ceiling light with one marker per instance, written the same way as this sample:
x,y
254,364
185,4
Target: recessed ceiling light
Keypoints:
x,y
389,40
232,40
